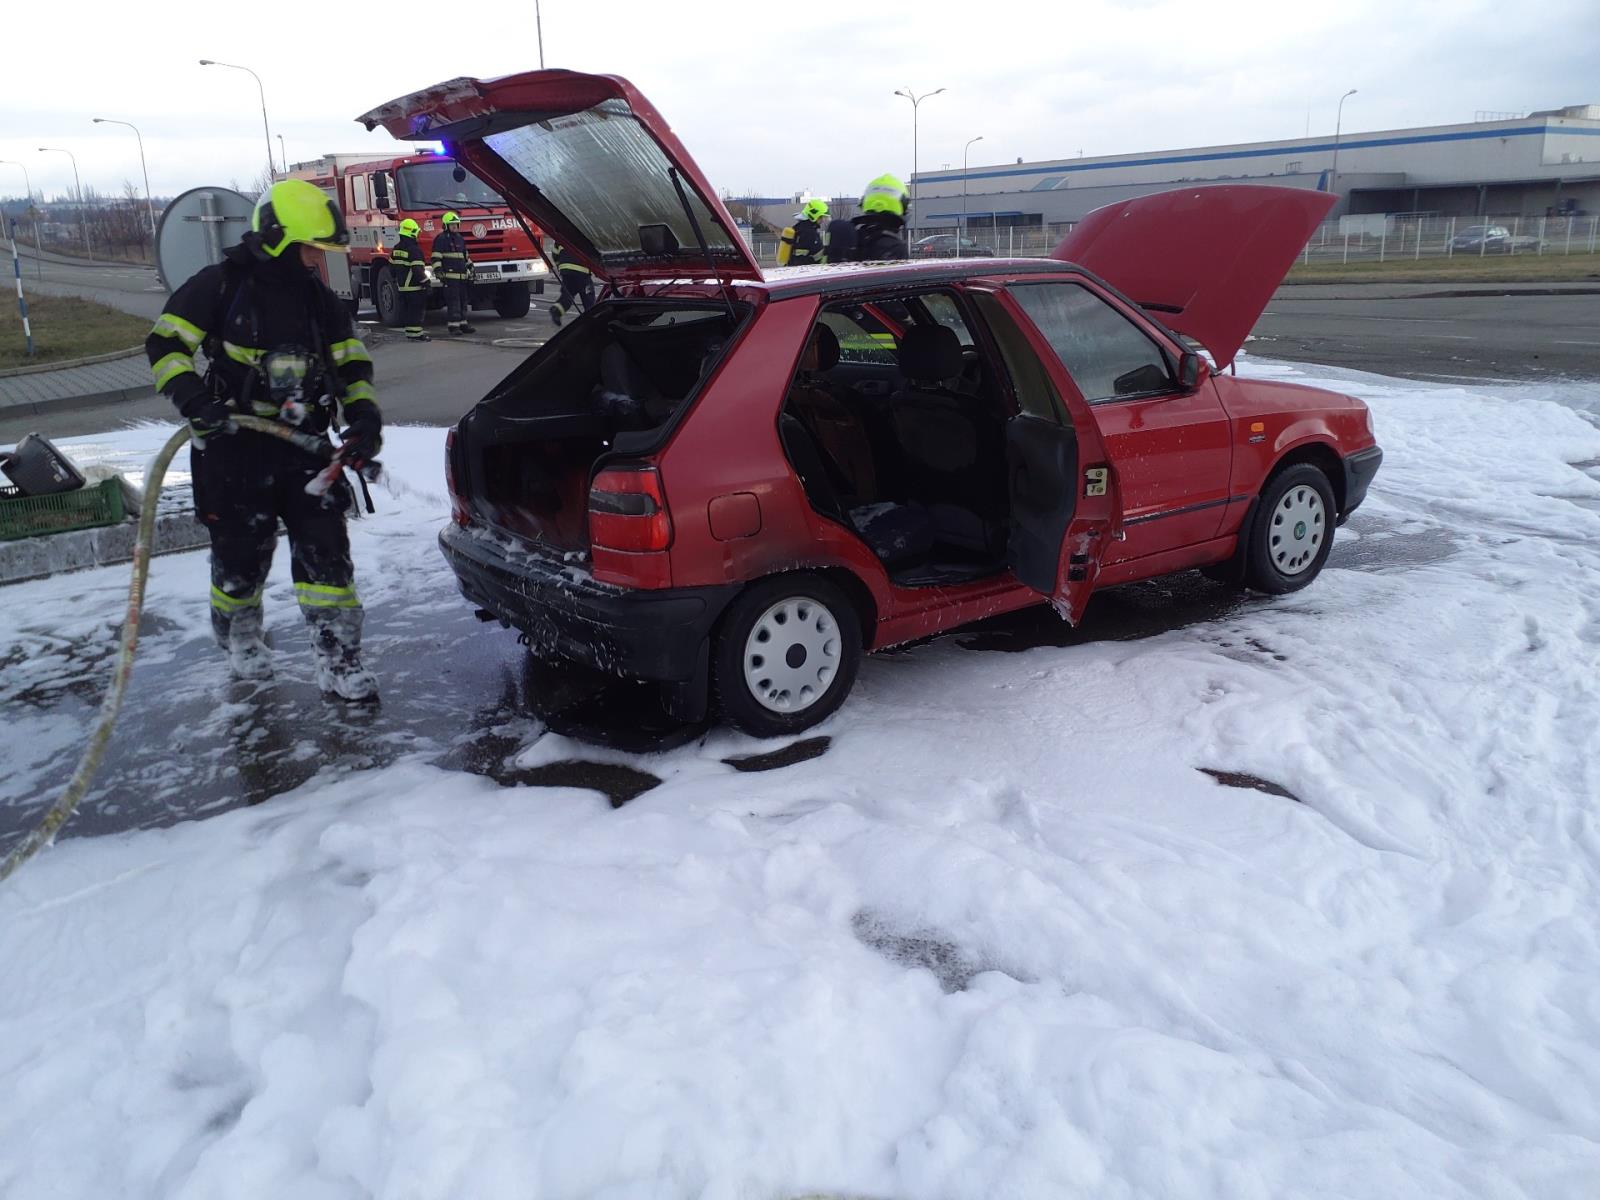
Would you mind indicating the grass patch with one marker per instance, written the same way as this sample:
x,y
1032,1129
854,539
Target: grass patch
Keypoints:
x,y
66,327
1490,268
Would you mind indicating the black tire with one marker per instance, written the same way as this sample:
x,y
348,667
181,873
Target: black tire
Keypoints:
x,y
512,300
386,297
1292,532
796,597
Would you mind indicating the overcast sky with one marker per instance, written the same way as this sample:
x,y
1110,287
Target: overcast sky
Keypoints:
x,y
768,99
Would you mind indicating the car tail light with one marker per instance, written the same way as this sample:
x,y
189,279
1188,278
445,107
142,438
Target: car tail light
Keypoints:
x,y
460,513
628,510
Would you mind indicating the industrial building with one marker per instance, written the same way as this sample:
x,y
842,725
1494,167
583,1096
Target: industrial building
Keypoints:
x,y
1546,163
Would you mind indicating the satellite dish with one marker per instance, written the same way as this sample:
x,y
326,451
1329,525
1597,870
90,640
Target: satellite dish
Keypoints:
x,y
196,228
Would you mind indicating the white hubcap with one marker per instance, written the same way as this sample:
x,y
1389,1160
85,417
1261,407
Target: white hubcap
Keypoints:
x,y
792,654
1299,525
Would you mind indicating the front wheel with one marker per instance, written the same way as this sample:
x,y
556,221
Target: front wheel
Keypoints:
x,y
786,656
386,297
1293,531
512,300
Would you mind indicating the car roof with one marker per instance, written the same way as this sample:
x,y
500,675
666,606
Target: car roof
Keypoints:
x,y
783,282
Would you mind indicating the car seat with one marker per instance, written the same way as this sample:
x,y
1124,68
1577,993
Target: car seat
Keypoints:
x,y
954,449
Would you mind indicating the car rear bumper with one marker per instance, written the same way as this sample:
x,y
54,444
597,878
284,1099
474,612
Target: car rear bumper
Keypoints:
x,y
649,634
1359,468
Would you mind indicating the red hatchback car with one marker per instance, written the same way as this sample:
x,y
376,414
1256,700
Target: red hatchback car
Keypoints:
x,y
735,482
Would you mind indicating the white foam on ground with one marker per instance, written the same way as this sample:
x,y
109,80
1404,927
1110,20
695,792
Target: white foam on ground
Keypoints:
x,y
1003,939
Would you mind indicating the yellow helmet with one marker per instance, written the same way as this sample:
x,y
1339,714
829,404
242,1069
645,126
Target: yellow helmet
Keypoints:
x,y
814,210
450,218
409,228
885,194
294,210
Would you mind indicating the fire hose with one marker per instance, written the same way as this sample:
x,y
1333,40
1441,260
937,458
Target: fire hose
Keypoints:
x,y
60,812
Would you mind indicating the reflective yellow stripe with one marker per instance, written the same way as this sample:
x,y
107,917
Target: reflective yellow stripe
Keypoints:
x,y
170,326
222,602
886,338
170,367
242,354
349,350
265,408
359,390
326,595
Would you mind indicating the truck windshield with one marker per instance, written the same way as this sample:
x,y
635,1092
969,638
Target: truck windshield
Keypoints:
x,y
433,185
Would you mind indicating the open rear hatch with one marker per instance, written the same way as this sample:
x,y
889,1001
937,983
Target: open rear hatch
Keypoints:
x,y
1204,261
588,160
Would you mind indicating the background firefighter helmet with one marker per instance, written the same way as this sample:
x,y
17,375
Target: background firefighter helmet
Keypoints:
x,y
815,210
450,218
409,228
885,194
293,210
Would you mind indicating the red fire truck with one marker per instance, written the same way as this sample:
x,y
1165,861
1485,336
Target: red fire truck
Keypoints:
x,y
376,194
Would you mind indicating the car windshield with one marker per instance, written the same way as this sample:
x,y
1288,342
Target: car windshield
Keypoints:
x,y
434,185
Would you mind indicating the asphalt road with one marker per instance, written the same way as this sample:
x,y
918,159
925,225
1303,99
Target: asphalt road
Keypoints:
x,y
1436,333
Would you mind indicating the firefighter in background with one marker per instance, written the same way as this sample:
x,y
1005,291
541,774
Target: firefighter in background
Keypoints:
x,y
454,268
279,345
576,281
801,243
405,260
880,229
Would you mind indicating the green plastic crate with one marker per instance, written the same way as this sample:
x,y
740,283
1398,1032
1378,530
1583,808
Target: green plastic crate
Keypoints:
x,y
30,516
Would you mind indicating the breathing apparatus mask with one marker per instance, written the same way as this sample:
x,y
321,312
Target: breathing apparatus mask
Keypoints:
x,y
293,380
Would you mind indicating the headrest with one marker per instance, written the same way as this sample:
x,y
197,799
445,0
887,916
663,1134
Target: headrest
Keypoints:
x,y
822,350
930,353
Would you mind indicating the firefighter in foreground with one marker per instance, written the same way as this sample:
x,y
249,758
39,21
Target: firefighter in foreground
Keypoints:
x,y
278,344
801,243
576,281
406,262
454,268
880,229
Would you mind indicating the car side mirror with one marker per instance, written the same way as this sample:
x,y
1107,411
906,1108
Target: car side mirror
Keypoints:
x,y
1191,370
380,191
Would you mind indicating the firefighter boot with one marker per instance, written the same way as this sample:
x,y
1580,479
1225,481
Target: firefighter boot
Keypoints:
x,y
556,312
336,640
248,656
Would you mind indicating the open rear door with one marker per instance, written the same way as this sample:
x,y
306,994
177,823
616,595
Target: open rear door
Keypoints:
x,y
1204,261
590,161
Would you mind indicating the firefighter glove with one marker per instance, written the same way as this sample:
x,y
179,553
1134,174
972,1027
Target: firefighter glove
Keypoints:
x,y
363,438
207,414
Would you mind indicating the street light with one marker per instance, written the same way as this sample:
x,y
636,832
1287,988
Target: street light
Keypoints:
x,y
963,225
915,101
282,152
211,62
1338,125
38,246
148,203
82,222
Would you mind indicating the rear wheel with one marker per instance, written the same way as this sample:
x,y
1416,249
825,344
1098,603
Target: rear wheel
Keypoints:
x,y
512,300
386,297
1292,532
786,656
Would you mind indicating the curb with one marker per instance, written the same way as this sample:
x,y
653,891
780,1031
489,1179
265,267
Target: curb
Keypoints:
x,y
91,360
40,408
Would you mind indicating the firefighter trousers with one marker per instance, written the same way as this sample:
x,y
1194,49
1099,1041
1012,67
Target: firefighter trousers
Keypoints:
x,y
575,284
413,301
457,303
243,484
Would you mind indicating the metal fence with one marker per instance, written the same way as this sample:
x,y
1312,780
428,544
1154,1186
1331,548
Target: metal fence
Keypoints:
x,y
1376,238
1384,237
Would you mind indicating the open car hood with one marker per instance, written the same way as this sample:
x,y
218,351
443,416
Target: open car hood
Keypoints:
x,y
588,160
1204,261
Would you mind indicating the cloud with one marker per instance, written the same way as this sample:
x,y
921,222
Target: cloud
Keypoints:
x,y
771,99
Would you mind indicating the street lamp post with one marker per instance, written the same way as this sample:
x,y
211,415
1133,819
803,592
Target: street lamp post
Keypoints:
x,y
963,225
211,62
38,246
916,100
283,153
149,204
1338,126
82,221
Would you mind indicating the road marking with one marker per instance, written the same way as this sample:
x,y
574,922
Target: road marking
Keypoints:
x,y
1559,342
